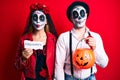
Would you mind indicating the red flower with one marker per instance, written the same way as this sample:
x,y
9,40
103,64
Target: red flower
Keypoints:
x,y
39,6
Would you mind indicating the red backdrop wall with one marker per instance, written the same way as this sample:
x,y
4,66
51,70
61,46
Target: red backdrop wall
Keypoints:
x,y
104,19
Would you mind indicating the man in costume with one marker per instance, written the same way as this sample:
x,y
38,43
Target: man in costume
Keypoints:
x,y
79,37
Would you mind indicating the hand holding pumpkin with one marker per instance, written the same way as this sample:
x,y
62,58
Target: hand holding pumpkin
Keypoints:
x,y
91,42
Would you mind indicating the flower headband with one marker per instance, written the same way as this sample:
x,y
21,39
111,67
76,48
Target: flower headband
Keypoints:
x,y
39,6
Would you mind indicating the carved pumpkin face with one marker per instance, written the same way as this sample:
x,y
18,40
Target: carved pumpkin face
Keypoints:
x,y
83,58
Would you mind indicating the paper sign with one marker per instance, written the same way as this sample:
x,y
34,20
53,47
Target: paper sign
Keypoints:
x,y
33,44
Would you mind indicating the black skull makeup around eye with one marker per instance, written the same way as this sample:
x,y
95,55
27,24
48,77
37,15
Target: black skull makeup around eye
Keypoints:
x,y
35,17
82,13
75,14
42,17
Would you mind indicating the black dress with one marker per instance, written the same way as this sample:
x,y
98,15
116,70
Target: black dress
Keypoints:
x,y
40,64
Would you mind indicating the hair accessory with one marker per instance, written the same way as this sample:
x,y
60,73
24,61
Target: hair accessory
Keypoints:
x,y
39,6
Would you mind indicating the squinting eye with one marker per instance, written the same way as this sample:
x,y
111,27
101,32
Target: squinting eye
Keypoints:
x,y
82,13
42,17
35,17
75,14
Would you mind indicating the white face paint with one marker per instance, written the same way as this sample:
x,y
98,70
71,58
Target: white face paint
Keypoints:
x,y
79,16
39,20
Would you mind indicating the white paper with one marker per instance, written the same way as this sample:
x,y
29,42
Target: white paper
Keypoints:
x,y
33,44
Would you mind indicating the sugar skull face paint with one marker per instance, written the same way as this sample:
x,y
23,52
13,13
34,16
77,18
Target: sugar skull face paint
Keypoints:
x,y
39,20
79,16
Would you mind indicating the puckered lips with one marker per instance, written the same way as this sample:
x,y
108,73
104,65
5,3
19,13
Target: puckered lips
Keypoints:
x,y
38,26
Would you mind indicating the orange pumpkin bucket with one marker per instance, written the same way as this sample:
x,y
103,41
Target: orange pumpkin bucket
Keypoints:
x,y
83,58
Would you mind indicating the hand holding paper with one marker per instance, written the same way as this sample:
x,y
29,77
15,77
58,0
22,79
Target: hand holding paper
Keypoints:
x,y
29,46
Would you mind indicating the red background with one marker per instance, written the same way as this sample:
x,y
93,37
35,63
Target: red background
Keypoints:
x,y
104,19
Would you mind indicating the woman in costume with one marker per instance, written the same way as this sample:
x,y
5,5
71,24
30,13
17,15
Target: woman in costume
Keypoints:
x,y
37,64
